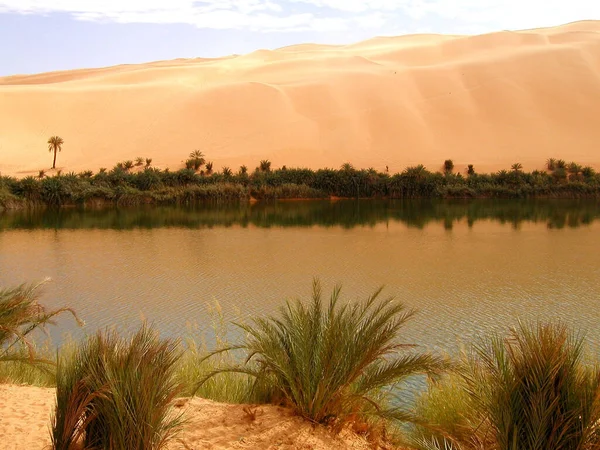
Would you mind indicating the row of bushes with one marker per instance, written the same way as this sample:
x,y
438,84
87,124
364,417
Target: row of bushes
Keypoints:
x,y
335,363
152,185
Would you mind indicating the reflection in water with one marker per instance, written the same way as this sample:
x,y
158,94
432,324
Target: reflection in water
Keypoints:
x,y
502,260
344,213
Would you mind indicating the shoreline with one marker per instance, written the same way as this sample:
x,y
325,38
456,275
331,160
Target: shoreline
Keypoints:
x,y
125,187
25,411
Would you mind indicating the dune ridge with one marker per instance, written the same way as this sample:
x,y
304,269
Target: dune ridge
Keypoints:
x,y
489,100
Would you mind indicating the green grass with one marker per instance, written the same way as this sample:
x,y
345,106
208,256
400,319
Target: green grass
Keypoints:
x,y
21,371
117,393
194,365
332,362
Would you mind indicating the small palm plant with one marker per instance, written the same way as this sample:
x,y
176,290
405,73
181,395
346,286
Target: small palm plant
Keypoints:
x,y
332,362
551,164
55,144
227,172
139,161
243,170
209,167
516,167
128,165
148,162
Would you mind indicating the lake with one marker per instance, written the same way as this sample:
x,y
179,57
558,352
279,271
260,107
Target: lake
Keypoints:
x,y
469,267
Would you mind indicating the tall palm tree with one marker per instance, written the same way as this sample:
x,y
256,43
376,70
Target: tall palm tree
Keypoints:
x,y
55,144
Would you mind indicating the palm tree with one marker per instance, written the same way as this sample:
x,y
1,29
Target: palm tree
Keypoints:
x,y
574,168
55,145
243,170
227,172
551,164
347,167
516,167
265,165
448,166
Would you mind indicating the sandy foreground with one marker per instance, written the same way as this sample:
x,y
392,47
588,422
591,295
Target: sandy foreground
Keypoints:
x,y
25,420
489,100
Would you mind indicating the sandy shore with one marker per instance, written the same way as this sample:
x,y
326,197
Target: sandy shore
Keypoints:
x,y
25,420
489,100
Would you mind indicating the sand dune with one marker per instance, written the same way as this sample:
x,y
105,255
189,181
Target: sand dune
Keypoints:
x,y
488,100
25,413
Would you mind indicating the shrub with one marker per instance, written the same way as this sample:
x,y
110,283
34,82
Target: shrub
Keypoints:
x,y
117,393
54,191
332,362
533,392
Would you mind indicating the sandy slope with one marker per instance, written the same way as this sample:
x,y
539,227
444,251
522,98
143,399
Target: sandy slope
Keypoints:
x,y
489,100
25,418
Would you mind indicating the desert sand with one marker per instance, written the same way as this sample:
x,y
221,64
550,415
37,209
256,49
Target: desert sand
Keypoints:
x,y
489,100
25,420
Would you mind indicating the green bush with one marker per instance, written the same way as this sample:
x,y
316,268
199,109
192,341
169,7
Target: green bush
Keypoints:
x,y
529,390
332,362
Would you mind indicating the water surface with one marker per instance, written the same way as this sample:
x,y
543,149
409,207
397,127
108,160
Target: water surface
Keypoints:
x,y
468,267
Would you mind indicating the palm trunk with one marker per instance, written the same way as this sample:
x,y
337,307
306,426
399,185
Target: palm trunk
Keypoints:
x,y
54,163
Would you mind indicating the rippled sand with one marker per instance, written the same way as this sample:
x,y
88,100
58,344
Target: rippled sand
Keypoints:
x,y
488,100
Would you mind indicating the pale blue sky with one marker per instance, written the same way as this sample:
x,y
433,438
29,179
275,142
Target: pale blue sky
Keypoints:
x,y
44,35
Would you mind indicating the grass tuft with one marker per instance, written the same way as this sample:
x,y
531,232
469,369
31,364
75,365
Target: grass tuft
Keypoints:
x,y
117,393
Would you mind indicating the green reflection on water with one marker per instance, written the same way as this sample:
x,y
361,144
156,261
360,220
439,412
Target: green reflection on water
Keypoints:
x,y
345,213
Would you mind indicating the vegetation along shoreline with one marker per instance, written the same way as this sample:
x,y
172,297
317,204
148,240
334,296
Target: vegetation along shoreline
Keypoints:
x,y
134,183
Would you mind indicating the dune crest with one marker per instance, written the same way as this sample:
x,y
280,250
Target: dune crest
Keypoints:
x,y
489,100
